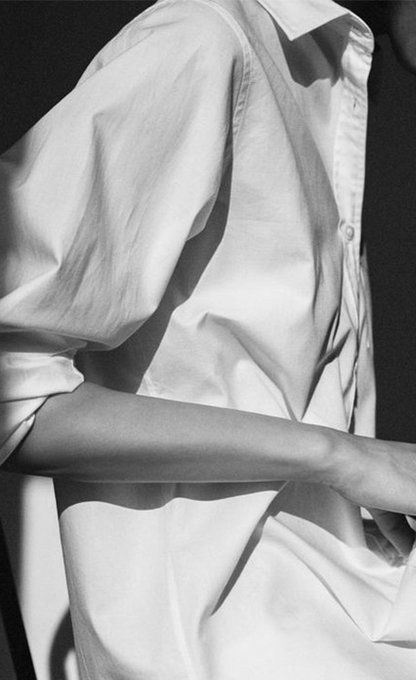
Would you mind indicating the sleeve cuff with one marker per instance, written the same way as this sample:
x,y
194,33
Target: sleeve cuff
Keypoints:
x,y
27,380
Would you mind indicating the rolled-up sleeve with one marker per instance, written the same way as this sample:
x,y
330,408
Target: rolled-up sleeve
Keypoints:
x,y
98,199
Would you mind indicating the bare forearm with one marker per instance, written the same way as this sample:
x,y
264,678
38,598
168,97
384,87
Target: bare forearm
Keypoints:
x,y
96,434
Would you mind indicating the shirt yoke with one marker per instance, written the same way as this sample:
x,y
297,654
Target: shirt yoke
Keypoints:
x,y
193,26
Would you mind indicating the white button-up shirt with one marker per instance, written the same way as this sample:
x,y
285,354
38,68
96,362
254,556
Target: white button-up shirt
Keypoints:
x,y
185,224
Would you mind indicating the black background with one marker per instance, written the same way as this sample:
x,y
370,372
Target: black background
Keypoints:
x,y
44,47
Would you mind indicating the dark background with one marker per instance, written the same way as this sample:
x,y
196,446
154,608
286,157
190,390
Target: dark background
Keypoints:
x,y
45,46
389,222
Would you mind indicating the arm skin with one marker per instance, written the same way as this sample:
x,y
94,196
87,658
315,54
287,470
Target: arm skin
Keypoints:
x,y
95,434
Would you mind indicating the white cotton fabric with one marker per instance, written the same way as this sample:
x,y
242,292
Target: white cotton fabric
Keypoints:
x,y
185,224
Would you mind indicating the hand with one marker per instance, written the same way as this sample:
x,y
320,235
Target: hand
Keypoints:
x,y
380,476
374,473
395,528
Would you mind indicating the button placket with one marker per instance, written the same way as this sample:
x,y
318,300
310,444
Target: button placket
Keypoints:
x,y
349,159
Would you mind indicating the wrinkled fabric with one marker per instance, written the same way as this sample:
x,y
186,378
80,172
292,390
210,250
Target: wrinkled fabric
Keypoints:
x,y
185,224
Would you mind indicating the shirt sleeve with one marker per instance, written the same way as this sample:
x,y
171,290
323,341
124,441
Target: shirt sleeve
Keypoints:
x,y
98,199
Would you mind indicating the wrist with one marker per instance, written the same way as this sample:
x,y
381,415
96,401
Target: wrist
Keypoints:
x,y
339,457
319,456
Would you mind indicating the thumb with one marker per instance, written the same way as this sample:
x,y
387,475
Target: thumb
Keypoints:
x,y
395,528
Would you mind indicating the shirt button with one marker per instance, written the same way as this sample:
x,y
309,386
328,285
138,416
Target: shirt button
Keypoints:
x,y
349,232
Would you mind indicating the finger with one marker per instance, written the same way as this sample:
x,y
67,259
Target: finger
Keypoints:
x,y
411,520
395,528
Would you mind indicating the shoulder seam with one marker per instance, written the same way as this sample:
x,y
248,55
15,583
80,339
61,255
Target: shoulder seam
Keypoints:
x,y
241,101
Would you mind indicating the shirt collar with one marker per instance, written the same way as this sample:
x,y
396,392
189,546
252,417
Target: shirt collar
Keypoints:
x,y
297,17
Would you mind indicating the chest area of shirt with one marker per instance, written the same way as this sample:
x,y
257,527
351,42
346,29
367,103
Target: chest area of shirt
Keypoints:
x,y
305,79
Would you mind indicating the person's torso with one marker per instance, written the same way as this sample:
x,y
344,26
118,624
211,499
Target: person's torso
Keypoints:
x,y
267,306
